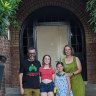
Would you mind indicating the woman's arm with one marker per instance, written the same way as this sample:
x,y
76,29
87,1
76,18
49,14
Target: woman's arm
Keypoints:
x,y
79,68
21,85
69,85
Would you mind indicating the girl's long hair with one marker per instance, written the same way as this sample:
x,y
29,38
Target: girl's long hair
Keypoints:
x,y
43,63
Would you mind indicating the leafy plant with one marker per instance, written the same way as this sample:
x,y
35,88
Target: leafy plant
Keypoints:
x,y
91,8
8,10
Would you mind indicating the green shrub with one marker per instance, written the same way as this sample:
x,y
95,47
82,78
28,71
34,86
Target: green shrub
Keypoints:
x,y
8,10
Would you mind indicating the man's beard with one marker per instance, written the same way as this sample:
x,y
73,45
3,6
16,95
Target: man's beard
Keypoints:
x,y
31,58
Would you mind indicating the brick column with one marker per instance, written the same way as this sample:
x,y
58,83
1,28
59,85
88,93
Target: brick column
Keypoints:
x,y
91,62
5,50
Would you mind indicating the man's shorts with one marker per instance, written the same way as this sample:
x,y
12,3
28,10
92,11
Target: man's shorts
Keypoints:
x,y
46,87
31,92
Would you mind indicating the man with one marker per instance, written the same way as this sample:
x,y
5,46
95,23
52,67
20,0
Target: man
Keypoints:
x,y
29,75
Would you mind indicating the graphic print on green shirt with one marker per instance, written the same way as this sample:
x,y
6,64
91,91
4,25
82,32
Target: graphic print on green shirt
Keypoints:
x,y
32,68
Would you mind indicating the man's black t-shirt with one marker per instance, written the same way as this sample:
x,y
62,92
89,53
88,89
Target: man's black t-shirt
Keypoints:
x,y
30,70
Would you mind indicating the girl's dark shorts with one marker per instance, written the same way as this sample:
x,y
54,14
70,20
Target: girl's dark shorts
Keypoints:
x,y
46,87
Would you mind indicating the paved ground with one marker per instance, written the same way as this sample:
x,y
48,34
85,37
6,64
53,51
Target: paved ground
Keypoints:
x,y
90,91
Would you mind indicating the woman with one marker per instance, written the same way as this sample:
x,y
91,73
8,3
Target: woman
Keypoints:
x,y
73,68
47,77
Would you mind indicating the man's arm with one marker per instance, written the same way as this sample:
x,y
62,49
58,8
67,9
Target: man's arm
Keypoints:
x,y
21,85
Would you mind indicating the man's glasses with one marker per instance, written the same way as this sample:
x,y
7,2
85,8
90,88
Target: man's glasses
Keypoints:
x,y
31,53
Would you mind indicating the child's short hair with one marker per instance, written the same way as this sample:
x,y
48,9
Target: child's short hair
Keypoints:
x,y
59,62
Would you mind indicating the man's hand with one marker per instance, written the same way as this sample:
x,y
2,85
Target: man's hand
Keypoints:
x,y
21,91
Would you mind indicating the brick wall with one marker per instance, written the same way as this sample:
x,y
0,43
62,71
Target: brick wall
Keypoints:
x,y
27,7
91,62
5,50
15,57
15,66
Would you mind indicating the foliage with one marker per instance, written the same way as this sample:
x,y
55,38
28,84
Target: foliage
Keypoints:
x,y
91,8
8,10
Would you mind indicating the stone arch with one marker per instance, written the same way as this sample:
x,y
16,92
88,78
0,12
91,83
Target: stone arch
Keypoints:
x,y
27,7
74,6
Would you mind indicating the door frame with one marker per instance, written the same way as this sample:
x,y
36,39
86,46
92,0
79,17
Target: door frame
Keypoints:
x,y
49,24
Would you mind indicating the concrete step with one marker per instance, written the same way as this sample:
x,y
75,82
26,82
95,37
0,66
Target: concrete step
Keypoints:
x,y
90,90
12,92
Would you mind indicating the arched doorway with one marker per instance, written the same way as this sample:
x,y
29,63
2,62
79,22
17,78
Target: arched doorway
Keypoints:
x,y
54,22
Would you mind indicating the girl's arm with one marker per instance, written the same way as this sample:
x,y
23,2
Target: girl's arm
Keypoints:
x,y
40,74
53,74
69,85
53,77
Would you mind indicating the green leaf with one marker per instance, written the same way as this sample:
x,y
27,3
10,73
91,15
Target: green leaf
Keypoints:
x,y
8,10
91,8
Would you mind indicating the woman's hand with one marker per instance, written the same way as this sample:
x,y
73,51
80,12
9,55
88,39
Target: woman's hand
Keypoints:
x,y
69,74
21,91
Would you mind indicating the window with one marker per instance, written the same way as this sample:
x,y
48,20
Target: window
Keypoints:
x,y
76,39
27,39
